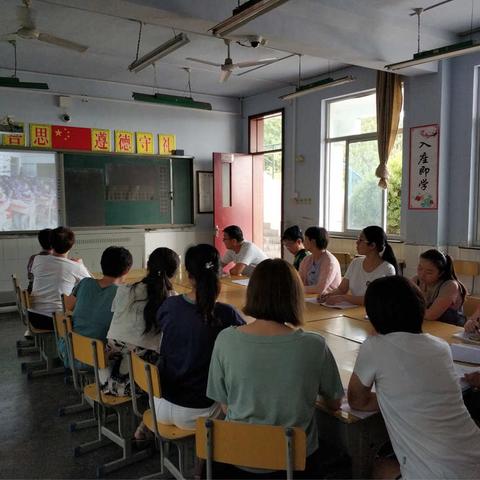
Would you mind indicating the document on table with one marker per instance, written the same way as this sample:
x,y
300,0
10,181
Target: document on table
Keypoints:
x,y
465,353
243,281
341,305
356,413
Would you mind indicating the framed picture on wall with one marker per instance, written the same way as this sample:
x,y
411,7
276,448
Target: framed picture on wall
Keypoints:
x,y
423,167
204,192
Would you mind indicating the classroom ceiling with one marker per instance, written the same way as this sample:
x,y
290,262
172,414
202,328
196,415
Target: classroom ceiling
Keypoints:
x,y
328,33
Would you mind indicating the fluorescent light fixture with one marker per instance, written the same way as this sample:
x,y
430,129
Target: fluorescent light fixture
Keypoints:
x,y
316,86
244,14
14,82
437,54
172,100
162,51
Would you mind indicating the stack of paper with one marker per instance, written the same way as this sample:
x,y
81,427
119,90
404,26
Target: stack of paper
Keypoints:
x,y
465,353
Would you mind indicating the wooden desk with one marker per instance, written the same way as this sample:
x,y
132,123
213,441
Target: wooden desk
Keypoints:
x,y
345,352
358,330
314,311
344,327
134,275
359,438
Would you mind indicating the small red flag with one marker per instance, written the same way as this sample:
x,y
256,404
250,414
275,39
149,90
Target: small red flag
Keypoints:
x,y
71,138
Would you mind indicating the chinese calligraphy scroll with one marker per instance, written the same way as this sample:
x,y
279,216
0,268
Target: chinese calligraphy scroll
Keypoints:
x,y
423,180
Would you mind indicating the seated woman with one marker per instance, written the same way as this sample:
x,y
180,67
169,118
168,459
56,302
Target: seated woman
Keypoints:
x,y
190,324
133,325
270,372
91,300
417,389
320,272
444,293
377,260
292,240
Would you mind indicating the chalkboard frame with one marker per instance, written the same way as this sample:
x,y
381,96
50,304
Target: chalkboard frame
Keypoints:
x,y
146,226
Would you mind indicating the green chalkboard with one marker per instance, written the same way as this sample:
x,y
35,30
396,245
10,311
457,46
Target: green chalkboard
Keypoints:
x,y
121,190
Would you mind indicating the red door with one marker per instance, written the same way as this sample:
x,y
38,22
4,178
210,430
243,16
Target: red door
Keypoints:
x,y
233,194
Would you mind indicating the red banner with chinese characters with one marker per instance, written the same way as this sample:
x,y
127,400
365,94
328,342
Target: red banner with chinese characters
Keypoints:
x,y
71,138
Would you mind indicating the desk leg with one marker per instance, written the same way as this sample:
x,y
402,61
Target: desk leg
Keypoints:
x,y
360,440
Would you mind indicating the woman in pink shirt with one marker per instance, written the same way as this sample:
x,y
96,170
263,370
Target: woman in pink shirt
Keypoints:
x,y
320,271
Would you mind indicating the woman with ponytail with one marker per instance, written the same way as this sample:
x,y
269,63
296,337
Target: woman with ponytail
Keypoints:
x,y
190,324
444,293
134,310
376,260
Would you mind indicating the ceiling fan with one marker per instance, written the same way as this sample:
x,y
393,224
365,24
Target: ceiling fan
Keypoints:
x,y
228,66
28,31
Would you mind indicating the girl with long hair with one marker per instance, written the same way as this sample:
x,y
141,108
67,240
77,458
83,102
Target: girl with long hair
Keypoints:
x,y
190,324
443,292
377,260
133,324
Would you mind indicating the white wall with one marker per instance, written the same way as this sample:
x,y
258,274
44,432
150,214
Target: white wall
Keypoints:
x,y
109,105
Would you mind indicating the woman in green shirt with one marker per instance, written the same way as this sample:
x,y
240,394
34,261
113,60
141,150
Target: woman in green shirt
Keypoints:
x,y
285,367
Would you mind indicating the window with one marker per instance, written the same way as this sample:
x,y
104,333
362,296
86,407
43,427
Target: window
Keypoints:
x,y
266,146
353,198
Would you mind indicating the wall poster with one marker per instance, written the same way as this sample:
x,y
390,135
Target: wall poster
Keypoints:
x,y
423,171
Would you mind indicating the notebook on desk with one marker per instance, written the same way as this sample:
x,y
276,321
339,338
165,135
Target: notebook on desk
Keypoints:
x,y
465,353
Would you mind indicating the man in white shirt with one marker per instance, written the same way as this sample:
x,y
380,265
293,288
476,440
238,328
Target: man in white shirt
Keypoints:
x,y
53,275
245,255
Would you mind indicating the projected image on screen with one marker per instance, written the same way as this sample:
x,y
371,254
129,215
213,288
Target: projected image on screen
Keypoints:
x,y
28,191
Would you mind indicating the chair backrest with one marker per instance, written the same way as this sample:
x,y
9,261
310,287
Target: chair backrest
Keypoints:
x,y
83,350
141,371
251,445
62,324
16,284
470,305
467,268
344,259
25,299
18,297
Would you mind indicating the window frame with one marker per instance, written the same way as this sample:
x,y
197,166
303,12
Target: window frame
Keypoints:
x,y
259,116
281,150
349,139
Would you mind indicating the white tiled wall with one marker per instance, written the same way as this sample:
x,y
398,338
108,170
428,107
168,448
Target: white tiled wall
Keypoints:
x,y
178,239
15,251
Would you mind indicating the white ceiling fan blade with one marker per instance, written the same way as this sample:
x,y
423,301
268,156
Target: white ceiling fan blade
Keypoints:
x,y
205,62
264,61
264,65
225,75
26,17
61,42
